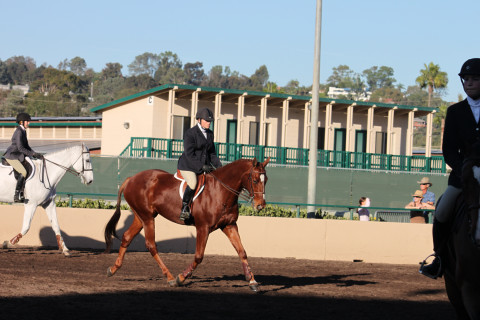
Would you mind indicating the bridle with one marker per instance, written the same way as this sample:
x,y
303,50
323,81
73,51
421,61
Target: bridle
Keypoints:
x,y
67,169
241,194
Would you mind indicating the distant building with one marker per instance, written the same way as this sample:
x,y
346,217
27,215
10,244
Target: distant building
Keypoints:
x,y
262,118
23,88
336,93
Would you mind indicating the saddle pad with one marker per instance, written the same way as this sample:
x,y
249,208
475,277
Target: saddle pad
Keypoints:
x,y
183,184
28,164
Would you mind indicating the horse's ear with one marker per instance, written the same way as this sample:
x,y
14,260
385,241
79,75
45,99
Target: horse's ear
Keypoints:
x,y
266,162
254,161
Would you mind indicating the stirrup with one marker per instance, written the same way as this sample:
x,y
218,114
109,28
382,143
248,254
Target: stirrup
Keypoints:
x,y
19,198
185,215
425,271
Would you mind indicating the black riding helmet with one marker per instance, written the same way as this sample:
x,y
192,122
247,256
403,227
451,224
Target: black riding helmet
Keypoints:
x,y
470,67
23,116
205,114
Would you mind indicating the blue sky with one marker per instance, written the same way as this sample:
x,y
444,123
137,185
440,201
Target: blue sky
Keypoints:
x,y
246,34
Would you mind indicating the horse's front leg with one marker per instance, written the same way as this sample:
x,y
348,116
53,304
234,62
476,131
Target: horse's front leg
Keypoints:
x,y
51,210
201,243
231,231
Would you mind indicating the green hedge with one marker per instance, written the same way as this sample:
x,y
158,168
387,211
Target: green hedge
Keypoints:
x,y
244,210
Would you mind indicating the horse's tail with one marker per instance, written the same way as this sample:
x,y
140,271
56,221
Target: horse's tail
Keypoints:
x,y
112,224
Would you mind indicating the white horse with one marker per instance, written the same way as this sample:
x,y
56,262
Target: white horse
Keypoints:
x,y
40,188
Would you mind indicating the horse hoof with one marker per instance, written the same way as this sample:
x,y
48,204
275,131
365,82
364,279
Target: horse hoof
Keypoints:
x,y
5,244
179,282
67,253
253,286
173,283
109,272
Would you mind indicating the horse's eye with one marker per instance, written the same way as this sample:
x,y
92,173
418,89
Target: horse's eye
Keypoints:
x,y
255,181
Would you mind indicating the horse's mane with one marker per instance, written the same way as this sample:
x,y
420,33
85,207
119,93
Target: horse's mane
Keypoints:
x,y
230,165
63,150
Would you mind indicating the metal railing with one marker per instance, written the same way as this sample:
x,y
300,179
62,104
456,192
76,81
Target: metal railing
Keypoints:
x,y
173,148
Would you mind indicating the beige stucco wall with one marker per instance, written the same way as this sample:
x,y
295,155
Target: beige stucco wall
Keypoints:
x,y
376,242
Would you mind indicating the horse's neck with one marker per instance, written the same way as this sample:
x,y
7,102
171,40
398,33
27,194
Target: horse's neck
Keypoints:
x,y
232,175
65,158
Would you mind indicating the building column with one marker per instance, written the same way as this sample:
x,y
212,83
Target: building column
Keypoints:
x,y
350,140
171,103
390,133
285,111
263,117
194,107
217,113
240,112
428,141
306,125
409,136
370,134
328,127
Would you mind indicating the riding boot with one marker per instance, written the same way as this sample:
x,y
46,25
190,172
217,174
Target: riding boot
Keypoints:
x,y
187,198
441,231
19,189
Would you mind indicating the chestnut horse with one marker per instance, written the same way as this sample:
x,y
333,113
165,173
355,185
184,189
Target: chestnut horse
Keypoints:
x,y
462,265
154,192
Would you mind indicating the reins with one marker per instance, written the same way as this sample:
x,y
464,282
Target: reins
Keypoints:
x,y
67,169
249,198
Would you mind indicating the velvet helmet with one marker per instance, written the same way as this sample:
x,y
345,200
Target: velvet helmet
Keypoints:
x,y
470,67
205,114
23,116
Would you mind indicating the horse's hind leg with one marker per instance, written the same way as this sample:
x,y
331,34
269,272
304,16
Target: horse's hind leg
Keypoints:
x,y
471,297
152,247
51,210
29,211
231,231
127,238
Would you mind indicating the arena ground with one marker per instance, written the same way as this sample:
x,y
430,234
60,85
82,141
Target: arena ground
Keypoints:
x,y
40,283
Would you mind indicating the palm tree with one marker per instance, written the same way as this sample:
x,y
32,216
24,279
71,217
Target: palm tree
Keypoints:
x,y
432,78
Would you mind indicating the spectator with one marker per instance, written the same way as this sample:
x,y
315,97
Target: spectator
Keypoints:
x,y
428,196
416,215
363,213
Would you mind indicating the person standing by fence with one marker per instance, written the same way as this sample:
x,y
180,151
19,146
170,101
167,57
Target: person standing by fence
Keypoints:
x,y
363,213
428,196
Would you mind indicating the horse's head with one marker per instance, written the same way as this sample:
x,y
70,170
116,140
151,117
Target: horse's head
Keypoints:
x,y
255,183
83,165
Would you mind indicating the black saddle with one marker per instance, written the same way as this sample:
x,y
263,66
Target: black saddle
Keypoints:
x,y
25,164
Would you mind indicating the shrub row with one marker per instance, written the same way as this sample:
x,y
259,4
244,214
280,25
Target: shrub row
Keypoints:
x,y
244,210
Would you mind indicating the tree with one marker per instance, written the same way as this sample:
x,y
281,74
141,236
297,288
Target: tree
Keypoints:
x,y
78,66
387,95
259,78
432,78
379,77
169,68
146,63
194,74
4,75
341,77
112,70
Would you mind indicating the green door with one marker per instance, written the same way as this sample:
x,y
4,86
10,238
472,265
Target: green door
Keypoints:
x,y
231,139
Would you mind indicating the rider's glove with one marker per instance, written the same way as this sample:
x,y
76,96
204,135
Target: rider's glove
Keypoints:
x,y
38,155
206,168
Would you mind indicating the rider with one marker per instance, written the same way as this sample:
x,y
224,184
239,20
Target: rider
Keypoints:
x,y
17,151
462,130
199,155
